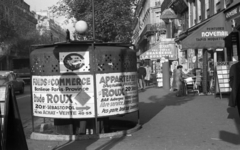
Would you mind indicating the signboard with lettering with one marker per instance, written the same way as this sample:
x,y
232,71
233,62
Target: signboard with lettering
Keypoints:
x,y
223,78
209,35
162,49
232,13
213,34
67,96
117,93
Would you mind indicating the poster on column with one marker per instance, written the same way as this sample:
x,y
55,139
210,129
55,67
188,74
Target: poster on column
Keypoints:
x,y
66,96
117,93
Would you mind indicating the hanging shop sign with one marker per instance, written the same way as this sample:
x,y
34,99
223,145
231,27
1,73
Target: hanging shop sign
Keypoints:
x,y
117,93
162,49
67,96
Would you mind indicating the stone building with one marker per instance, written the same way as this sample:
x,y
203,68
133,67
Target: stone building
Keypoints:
x,y
203,34
148,27
49,27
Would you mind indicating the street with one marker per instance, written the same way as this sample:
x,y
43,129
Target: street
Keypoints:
x,y
168,123
24,105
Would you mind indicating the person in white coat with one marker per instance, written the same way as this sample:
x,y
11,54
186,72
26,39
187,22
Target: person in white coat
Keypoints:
x,y
148,75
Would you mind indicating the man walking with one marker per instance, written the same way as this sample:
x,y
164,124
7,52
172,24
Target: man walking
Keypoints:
x,y
141,76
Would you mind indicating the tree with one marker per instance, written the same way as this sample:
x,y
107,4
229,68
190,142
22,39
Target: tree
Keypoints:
x,y
113,18
7,35
22,45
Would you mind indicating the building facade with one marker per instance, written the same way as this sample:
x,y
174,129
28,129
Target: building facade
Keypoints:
x,y
202,39
49,27
17,13
148,27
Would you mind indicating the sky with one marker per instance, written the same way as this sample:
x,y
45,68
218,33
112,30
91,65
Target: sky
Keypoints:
x,y
37,5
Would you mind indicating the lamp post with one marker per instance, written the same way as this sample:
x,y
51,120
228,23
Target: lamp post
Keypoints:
x,y
167,16
93,20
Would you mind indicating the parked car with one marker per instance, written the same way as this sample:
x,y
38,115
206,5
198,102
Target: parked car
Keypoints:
x,y
10,76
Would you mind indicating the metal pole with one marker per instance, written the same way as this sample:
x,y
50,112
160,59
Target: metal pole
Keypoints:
x,y
31,101
93,20
94,58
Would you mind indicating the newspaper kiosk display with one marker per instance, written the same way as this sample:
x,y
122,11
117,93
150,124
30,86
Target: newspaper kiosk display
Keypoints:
x,y
82,80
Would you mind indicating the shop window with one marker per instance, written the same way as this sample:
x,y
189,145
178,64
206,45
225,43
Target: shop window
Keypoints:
x,y
220,56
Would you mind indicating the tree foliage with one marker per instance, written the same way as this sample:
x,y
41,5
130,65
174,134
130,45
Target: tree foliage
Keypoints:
x,y
16,39
113,18
7,31
23,44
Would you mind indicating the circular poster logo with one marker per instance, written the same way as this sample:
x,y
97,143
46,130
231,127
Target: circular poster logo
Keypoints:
x,y
73,61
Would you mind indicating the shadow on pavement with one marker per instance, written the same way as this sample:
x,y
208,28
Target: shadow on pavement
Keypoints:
x,y
228,136
81,145
148,109
156,104
85,144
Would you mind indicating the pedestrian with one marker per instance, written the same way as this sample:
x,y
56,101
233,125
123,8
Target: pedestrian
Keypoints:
x,y
148,75
179,79
234,82
174,82
141,76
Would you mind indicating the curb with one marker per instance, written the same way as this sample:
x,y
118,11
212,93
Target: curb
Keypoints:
x,y
50,137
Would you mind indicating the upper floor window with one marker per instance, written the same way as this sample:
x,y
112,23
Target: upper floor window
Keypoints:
x,y
207,4
228,2
157,3
207,8
218,6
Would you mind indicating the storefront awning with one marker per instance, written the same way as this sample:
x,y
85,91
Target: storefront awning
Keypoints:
x,y
209,35
166,49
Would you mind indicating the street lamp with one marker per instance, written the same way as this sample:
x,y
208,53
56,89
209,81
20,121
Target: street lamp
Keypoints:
x,y
167,16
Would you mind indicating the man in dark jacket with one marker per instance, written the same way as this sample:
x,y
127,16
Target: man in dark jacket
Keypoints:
x,y
141,76
235,85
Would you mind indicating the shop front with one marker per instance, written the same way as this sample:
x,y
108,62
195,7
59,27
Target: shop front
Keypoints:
x,y
164,52
232,15
204,47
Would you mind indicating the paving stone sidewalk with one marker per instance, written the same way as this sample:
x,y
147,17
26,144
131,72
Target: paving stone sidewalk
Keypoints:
x,y
169,123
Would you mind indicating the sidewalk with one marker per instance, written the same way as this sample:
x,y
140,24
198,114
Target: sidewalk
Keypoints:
x,y
169,123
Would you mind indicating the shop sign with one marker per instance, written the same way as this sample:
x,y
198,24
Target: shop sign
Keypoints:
x,y
68,96
163,49
232,13
117,93
213,34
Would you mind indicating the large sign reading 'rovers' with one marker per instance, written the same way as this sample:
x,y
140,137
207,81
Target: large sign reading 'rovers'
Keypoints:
x,y
66,96
117,93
